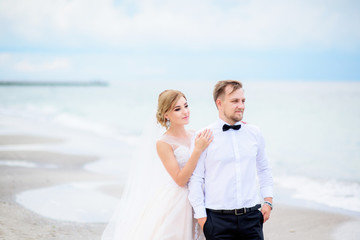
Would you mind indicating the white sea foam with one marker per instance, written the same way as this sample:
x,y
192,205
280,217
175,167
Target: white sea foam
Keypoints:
x,y
78,123
92,139
26,164
331,193
49,116
76,202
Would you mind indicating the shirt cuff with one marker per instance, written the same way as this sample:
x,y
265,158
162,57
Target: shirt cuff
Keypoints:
x,y
200,212
267,192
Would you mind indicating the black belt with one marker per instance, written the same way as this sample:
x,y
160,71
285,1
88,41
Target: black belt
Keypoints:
x,y
237,212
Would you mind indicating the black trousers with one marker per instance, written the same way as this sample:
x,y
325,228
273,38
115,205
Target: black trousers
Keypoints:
x,y
248,226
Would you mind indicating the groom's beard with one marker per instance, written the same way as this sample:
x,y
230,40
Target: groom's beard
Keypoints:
x,y
235,117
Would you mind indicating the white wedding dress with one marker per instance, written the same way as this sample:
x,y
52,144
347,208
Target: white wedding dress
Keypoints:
x,y
160,212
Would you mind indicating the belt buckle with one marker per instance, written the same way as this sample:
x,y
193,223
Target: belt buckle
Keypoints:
x,y
238,214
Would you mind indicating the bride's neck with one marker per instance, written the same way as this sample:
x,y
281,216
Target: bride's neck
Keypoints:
x,y
177,131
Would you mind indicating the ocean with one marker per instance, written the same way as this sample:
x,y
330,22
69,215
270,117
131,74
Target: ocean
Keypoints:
x,y
311,130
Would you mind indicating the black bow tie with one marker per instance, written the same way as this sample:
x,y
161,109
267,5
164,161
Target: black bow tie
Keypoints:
x,y
227,127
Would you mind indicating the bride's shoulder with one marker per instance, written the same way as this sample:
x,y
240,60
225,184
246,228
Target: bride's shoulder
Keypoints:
x,y
167,141
163,144
164,138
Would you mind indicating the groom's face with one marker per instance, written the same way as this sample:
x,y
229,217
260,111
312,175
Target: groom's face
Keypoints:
x,y
232,105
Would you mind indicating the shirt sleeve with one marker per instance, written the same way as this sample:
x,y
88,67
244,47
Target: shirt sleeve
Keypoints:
x,y
196,192
264,169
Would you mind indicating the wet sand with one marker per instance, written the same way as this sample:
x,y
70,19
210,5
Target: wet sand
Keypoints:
x,y
17,222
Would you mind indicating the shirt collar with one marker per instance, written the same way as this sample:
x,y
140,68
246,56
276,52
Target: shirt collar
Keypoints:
x,y
221,122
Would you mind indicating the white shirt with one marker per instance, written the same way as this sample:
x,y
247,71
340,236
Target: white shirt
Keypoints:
x,y
226,174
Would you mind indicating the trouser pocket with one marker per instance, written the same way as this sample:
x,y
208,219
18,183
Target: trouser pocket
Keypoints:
x,y
207,227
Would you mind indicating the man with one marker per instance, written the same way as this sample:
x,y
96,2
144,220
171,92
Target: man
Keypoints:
x,y
223,189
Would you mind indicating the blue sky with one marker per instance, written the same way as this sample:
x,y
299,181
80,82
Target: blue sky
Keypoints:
x,y
179,40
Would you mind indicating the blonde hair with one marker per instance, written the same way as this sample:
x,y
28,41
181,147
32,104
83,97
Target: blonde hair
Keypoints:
x,y
219,89
166,101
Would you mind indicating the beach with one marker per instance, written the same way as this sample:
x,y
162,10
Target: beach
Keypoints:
x,y
65,154
17,222
80,94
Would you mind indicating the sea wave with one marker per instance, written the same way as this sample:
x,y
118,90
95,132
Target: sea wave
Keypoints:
x,y
50,114
330,193
25,164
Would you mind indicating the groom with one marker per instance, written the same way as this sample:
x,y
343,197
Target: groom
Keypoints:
x,y
223,189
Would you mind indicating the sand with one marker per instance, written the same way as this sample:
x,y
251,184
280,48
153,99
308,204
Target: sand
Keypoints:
x,y
16,222
296,223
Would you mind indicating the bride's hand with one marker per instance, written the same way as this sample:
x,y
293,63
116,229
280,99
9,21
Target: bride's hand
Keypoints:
x,y
203,139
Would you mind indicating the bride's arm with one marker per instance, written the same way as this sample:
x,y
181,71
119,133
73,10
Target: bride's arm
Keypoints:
x,y
166,154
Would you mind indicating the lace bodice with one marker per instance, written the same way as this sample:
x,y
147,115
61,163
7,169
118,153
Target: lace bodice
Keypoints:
x,y
181,147
182,155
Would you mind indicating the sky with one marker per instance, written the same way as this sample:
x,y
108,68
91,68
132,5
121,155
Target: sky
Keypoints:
x,y
123,40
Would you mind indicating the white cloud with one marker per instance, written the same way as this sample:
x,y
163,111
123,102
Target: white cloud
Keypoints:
x,y
56,64
190,24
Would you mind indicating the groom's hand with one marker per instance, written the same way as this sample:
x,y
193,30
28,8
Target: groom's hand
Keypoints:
x,y
266,209
201,222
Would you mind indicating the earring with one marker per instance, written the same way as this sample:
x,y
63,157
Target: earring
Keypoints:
x,y
167,123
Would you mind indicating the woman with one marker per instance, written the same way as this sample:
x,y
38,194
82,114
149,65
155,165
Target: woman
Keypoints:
x,y
158,207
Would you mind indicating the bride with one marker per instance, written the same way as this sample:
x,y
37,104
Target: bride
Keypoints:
x,y
154,205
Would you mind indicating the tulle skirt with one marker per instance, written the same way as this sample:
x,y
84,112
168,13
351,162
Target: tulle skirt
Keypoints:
x,y
167,215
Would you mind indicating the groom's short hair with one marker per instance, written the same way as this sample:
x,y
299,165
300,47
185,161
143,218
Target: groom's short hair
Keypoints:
x,y
220,86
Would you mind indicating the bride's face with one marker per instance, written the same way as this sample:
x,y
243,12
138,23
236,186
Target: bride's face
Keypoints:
x,y
180,113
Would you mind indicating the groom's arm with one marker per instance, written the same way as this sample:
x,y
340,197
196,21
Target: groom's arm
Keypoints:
x,y
196,192
265,177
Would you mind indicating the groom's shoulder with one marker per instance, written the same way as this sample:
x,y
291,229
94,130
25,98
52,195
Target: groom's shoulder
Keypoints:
x,y
251,127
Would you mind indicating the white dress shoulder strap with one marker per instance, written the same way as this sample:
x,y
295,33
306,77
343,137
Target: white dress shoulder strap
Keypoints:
x,y
175,142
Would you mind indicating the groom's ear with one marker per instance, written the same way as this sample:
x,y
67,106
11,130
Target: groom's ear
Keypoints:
x,y
218,103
